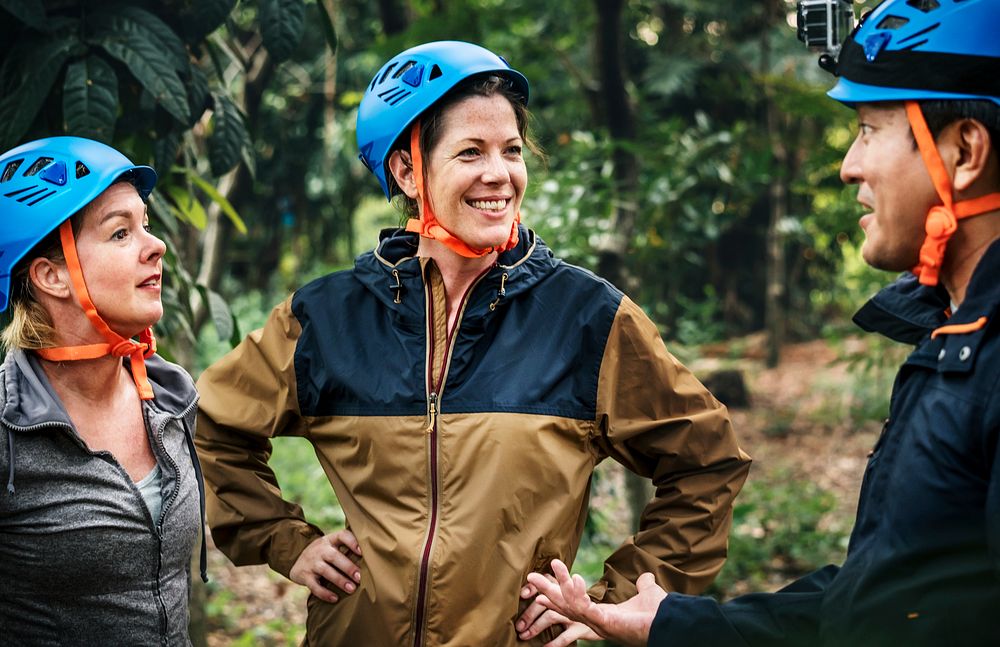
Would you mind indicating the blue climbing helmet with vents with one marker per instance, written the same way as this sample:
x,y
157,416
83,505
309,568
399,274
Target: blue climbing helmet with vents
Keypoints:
x,y
44,182
410,83
919,50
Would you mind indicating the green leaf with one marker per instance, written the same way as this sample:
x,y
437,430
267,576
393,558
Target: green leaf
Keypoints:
x,y
90,99
163,214
281,24
19,107
229,136
128,19
165,150
190,209
329,30
215,196
198,93
142,51
30,12
222,316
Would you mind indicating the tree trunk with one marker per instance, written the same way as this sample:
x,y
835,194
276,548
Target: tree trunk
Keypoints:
x,y
620,123
774,310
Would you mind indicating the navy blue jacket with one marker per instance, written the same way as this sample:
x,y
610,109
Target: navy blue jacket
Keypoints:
x,y
923,566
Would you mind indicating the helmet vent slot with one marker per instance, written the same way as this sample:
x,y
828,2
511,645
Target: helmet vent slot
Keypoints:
x,y
893,22
81,170
926,6
435,73
37,166
403,69
394,95
39,199
918,34
29,196
385,75
10,170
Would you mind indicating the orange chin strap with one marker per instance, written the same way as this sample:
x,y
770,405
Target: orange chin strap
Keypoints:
x,y
942,220
428,226
117,345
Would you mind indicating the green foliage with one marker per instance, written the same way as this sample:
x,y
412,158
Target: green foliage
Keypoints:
x,y
281,26
779,533
90,98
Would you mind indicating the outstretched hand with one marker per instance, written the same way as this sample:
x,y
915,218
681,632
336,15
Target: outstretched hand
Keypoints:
x,y
325,561
628,622
536,619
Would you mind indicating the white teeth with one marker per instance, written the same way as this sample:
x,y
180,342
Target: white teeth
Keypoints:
x,y
489,205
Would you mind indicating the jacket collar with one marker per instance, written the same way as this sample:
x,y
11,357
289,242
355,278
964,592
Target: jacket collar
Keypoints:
x,y
909,312
30,399
393,272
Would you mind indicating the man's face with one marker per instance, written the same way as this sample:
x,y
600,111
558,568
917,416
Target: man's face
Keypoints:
x,y
894,186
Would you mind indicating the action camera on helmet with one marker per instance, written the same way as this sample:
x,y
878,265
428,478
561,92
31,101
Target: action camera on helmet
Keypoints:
x,y
824,25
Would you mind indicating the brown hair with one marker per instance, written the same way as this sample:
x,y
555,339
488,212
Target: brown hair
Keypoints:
x,y
432,121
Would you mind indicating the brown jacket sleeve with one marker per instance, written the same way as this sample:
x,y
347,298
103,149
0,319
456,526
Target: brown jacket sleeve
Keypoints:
x,y
655,418
247,398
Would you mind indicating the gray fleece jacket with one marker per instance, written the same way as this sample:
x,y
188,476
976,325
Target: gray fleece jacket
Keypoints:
x,y
81,560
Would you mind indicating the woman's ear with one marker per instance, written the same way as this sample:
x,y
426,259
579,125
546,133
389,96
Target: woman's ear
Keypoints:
x,y
974,152
401,167
49,278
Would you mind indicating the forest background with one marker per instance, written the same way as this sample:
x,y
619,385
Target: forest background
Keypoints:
x,y
692,158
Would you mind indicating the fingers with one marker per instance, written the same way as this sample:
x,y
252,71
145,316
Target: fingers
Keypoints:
x,y
318,588
543,585
645,581
324,562
542,622
345,538
530,616
529,589
573,632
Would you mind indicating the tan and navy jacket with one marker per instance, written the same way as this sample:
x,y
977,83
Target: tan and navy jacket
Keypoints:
x,y
464,462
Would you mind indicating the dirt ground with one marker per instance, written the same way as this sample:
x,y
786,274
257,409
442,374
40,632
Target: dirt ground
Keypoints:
x,y
791,427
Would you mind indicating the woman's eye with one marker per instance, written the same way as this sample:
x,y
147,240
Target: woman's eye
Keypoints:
x,y
120,234
469,152
148,228
514,150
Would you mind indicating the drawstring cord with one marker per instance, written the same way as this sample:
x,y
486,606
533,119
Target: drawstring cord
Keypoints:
x,y
501,293
203,560
10,469
398,287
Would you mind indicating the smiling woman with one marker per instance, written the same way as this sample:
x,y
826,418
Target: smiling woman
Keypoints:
x,y
459,385
101,512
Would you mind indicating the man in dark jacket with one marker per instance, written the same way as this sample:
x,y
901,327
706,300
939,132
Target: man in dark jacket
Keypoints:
x,y
923,566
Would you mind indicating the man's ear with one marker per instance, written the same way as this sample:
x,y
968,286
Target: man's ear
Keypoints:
x,y
975,153
49,277
401,166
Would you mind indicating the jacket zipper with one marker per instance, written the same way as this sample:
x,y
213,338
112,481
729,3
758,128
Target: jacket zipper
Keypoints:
x,y
433,408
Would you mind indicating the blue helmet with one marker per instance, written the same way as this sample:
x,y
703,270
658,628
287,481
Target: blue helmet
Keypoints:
x,y
922,50
410,83
44,182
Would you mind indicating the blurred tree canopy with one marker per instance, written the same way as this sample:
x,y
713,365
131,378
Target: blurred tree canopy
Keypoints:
x,y
692,153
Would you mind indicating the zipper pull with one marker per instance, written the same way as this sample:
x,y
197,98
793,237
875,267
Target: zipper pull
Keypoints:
x,y
431,412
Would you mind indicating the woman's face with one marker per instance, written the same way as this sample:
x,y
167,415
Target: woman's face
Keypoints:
x,y
121,260
475,173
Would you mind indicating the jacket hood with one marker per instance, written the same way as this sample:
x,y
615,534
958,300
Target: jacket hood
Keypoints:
x,y
907,311
392,271
31,400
